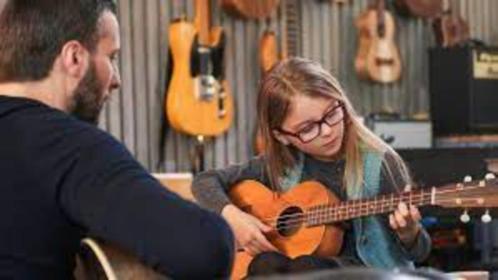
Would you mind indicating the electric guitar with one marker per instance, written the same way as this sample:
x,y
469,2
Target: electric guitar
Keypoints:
x,y
198,100
305,218
378,57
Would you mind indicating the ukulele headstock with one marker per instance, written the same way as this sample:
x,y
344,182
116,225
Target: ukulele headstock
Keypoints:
x,y
470,194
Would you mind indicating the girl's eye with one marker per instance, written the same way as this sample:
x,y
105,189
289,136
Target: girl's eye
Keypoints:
x,y
307,129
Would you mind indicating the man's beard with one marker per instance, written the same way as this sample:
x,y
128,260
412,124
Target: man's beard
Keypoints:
x,y
88,97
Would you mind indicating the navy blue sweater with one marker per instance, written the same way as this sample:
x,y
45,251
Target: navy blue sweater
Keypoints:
x,y
62,179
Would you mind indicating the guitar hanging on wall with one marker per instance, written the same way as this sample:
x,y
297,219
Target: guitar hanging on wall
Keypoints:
x,y
198,101
450,29
378,57
269,53
289,45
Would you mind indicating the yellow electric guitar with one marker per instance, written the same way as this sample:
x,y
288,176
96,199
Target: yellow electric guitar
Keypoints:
x,y
198,100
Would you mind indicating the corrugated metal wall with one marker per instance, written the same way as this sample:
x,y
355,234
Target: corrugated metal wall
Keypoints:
x,y
328,35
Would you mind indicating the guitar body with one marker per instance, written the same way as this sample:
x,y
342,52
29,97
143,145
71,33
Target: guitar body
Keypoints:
x,y
257,200
101,261
199,101
378,57
450,30
268,54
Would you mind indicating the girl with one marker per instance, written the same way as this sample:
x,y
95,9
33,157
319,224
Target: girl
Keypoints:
x,y
312,132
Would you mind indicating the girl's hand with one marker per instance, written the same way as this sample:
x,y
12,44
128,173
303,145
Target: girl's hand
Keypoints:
x,y
248,230
405,222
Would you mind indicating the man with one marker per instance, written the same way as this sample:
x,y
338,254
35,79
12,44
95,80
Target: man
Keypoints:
x,y
61,177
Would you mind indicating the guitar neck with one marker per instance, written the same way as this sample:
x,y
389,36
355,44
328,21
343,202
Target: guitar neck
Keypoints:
x,y
381,25
201,21
291,30
326,214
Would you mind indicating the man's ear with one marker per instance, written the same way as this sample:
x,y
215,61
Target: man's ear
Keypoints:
x,y
280,137
74,57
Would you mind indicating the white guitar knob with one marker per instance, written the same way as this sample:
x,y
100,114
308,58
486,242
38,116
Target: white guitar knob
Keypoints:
x,y
467,179
489,176
486,218
465,218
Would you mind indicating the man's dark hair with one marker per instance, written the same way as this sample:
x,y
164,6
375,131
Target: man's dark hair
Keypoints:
x,y
33,32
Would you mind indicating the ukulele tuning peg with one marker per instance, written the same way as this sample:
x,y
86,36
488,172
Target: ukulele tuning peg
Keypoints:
x,y
465,218
467,179
486,218
489,176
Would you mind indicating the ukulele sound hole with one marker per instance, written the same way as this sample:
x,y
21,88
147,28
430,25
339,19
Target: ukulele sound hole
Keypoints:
x,y
290,221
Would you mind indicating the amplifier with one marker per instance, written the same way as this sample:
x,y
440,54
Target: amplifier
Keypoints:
x,y
403,134
463,84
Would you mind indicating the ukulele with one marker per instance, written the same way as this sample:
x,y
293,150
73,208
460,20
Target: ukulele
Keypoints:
x,y
450,30
378,57
198,100
305,218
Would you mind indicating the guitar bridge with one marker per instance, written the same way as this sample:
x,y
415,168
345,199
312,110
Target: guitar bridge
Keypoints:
x,y
222,112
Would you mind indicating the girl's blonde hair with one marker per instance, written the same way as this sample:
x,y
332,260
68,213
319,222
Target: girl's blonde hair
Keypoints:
x,y
296,76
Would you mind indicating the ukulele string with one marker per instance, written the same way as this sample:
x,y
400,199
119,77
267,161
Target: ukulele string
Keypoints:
x,y
296,223
348,204
296,219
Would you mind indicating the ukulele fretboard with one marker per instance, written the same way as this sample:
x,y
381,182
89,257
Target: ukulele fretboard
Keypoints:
x,y
324,214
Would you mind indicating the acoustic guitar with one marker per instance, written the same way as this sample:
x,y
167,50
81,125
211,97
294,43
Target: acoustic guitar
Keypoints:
x,y
268,50
449,29
271,51
289,45
99,260
198,100
378,57
305,218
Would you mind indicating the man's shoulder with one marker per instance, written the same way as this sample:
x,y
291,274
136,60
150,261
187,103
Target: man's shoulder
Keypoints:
x,y
35,120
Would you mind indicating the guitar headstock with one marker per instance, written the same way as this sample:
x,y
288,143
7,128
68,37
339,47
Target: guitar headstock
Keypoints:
x,y
469,194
